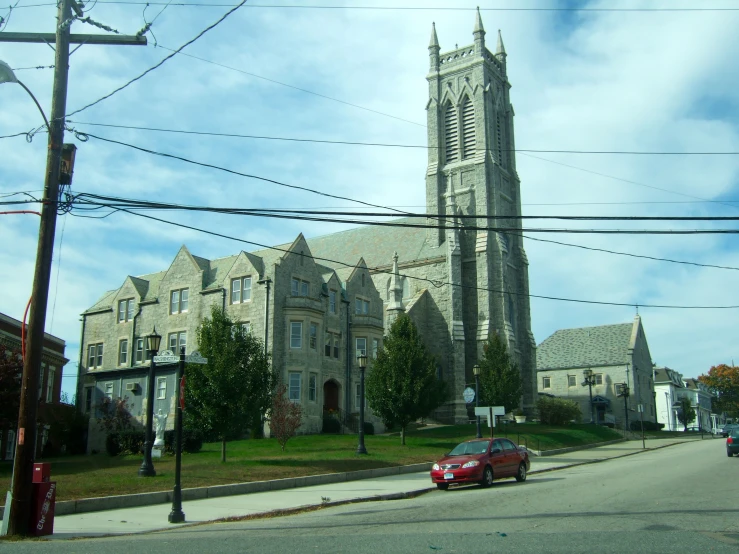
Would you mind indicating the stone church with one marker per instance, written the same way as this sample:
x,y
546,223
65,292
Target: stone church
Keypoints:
x,y
319,302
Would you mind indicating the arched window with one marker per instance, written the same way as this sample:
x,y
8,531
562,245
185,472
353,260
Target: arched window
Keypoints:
x,y
468,129
511,312
451,133
406,288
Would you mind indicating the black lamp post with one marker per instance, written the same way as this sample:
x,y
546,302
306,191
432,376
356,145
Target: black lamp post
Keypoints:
x,y
589,382
476,372
177,515
147,467
362,360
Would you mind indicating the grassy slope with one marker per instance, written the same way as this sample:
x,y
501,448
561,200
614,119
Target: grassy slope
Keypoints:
x,y
256,460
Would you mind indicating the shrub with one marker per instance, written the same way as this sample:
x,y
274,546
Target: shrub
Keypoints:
x,y
369,428
112,446
557,411
192,441
131,442
331,425
648,426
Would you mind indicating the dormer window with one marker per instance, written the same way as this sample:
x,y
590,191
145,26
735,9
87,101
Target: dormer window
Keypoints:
x,y
361,306
299,287
240,290
178,301
125,310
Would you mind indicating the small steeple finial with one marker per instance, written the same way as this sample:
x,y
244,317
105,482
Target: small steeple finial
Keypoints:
x,y
478,23
500,50
434,43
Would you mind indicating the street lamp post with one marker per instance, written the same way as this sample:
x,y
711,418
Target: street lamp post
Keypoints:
x,y
147,467
177,515
476,372
589,382
362,359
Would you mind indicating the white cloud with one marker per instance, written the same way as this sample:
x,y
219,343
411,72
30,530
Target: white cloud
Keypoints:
x,y
595,81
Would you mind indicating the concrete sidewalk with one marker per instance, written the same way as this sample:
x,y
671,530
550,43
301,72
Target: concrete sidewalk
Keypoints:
x,y
153,518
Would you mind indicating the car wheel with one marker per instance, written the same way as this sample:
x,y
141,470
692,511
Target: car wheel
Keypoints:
x,y
487,477
729,453
442,486
521,473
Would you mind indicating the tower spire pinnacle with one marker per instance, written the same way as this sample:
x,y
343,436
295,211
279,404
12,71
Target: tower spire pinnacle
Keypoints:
x,y
500,49
434,43
479,32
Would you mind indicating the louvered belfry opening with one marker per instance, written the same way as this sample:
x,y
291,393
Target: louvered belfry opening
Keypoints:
x,y
451,133
468,129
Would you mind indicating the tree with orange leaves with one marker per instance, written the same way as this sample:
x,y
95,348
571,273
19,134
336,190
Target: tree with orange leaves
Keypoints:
x,y
723,380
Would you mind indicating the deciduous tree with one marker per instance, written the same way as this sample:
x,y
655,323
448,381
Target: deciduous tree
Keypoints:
x,y
500,378
285,416
234,388
685,412
402,385
11,371
723,380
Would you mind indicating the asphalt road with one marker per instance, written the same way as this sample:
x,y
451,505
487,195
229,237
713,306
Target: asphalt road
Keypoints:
x,y
678,499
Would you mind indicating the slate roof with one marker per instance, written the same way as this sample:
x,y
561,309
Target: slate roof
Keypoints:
x,y
586,346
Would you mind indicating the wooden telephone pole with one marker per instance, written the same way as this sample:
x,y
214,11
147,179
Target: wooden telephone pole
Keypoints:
x,y
19,519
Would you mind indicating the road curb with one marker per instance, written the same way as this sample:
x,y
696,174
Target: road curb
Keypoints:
x,y
104,503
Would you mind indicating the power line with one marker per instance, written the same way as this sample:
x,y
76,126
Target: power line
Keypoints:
x,y
83,136
436,284
114,202
401,8
161,62
395,145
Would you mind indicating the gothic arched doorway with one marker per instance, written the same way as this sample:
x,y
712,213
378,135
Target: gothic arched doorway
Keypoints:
x,y
330,396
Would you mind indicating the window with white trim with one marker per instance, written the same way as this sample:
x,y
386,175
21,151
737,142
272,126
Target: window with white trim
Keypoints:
x,y
327,344
240,290
176,341
313,336
312,387
95,356
337,344
298,287
294,387
598,378
332,301
246,327
142,353
123,352
361,306
296,334
178,301
361,347
571,381
109,391
375,348
161,388
50,384
125,310
546,382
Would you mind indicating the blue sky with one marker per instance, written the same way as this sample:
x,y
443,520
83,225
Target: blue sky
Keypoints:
x,y
641,81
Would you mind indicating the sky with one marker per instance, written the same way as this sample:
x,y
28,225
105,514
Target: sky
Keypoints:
x,y
584,79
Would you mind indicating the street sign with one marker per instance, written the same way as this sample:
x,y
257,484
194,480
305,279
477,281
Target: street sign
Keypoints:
x,y
196,358
468,395
484,411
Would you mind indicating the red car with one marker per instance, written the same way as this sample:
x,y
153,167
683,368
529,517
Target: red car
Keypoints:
x,y
481,461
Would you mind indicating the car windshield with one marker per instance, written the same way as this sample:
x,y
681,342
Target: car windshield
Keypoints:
x,y
477,447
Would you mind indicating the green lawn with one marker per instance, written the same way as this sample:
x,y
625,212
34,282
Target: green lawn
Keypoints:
x,y
257,460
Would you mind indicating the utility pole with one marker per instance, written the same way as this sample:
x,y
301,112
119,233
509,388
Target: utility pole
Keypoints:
x,y
19,521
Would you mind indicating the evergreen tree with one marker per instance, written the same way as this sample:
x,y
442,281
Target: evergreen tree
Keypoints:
x,y
500,379
402,385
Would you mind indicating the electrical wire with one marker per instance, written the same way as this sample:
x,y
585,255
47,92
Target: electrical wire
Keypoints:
x,y
395,145
161,62
436,284
135,204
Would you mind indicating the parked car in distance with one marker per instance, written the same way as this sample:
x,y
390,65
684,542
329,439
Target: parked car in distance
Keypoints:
x,y
481,461
732,443
727,429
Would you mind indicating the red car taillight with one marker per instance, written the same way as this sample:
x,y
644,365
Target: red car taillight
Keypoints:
x,y
729,441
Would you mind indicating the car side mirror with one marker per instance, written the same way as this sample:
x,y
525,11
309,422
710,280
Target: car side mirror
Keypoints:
x,y
496,451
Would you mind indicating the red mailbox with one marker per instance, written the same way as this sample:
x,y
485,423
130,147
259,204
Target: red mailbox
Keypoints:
x,y
41,473
43,500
